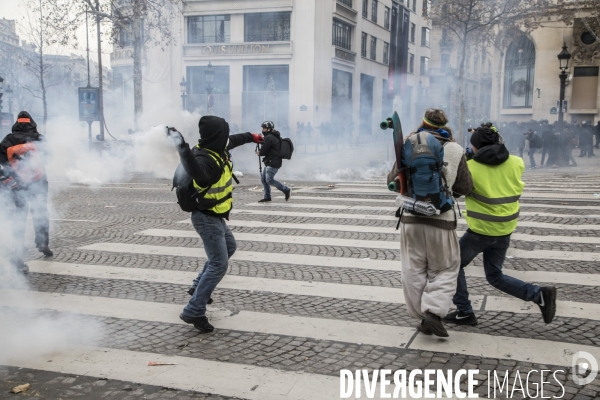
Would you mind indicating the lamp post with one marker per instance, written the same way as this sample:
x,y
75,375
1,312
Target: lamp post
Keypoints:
x,y
9,96
563,59
183,86
209,74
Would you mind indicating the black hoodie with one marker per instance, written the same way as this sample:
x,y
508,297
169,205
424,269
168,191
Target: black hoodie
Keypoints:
x,y
214,133
494,154
23,132
271,148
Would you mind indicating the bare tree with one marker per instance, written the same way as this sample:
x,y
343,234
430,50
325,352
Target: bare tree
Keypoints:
x,y
477,21
140,22
42,35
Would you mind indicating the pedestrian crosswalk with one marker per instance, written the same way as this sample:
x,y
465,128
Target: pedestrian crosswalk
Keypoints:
x,y
281,241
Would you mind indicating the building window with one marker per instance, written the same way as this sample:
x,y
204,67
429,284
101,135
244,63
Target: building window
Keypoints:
x,y
425,37
374,5
519,73
445,61
373,48
124,38
346,2
386,18
413,32
424,65
342,84
209,29
365,10
342,35
386,53
363,45
411,63
426,8
414,5
267,27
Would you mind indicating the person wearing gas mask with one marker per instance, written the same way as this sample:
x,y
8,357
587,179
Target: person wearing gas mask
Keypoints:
x,y
211,171
270,150
25,152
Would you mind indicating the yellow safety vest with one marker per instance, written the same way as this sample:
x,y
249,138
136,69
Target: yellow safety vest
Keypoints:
x,y
221,191
493,206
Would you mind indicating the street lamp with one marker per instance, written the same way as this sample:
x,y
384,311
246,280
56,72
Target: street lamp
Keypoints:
x,y
563,59
183,86
209,74
9,96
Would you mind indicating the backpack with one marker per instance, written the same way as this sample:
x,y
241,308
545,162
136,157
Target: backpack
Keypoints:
x,y
26,161
188,197
423,157
287,148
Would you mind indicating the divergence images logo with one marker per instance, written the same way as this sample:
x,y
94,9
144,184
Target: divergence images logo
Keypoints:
x,y
582,361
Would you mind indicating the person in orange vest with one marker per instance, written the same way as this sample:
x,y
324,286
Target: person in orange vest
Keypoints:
x,y
25,153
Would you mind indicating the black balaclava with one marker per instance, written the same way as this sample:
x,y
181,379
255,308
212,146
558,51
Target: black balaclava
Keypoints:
x,y
214,133
25,127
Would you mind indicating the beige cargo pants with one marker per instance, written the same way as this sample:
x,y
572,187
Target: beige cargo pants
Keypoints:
x,y
430,265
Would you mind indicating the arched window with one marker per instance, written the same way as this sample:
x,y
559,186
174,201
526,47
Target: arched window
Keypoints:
x,y
519,73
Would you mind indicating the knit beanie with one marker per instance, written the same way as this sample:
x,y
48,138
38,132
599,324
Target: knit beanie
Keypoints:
x,y
484,137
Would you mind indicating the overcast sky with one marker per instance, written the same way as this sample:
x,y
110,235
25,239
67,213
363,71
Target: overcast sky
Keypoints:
x,y
12,9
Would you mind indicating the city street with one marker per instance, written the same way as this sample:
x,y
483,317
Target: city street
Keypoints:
x,y
314,287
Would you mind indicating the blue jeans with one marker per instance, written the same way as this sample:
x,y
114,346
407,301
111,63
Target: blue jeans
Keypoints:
x,y
531,159
219,245
268,178
494,251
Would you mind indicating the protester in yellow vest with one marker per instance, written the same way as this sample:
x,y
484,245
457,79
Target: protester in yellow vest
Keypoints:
x,y
492,215
209,166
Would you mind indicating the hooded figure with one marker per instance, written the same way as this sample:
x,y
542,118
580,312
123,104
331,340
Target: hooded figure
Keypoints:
x,y
210,168
24,153
492,215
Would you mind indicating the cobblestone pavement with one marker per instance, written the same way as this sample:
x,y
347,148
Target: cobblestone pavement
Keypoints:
x,y
509,337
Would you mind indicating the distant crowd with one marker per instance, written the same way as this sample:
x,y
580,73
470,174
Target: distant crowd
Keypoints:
x,y
555,145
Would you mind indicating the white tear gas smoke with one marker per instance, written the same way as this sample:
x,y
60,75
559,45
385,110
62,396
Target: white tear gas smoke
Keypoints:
x,y
27,332
150,151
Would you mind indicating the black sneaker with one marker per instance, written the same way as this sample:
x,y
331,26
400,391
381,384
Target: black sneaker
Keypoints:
x,y
423,329
547,303
191,291
434,324
288,194
200,323
459,318
46,250
264,200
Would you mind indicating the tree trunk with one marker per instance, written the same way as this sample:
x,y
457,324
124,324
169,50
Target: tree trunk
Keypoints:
x,y
43,88
138,107
42,70
461,91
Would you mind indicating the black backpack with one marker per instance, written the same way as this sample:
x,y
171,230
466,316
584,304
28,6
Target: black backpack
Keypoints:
x,y
286,148
188,198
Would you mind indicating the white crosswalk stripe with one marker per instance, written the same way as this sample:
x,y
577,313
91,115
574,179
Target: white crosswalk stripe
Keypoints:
x,y
475,344
272,211
253,382
393,209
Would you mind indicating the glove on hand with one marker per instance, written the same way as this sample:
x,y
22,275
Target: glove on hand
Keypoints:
x,y
176,136
258,138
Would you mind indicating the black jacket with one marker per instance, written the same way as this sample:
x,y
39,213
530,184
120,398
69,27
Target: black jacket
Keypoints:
x,y
214,135
270,150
